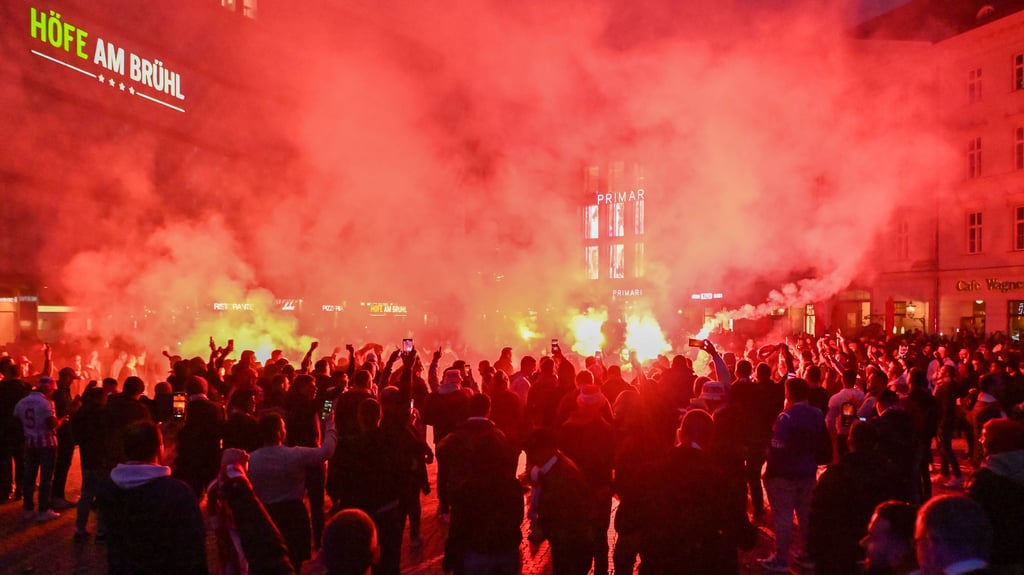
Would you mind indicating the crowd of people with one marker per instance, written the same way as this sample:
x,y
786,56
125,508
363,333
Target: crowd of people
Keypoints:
x,y
826,441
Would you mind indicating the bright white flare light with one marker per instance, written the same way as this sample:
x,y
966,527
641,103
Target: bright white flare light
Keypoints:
x,y
644,335
586,330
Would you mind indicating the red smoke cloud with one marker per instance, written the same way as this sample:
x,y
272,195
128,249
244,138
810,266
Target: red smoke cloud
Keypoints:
x,y
432,155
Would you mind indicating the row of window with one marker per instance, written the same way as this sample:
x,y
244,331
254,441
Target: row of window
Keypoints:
x,y
974,92
616,261
974,79
975,231
615,217
974,153
975,234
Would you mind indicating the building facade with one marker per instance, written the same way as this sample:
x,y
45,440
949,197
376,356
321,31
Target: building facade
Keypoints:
x,y
614,204
955,262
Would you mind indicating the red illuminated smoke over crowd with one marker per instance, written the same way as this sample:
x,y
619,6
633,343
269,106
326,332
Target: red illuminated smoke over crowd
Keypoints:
x,y
435,154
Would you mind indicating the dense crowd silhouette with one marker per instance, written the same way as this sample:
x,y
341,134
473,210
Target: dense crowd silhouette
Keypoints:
x,y
827,442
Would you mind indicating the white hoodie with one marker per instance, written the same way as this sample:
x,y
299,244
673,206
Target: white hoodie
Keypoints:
x,y
132,475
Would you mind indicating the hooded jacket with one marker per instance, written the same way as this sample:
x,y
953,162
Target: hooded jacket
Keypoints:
x,y
998,485
154,524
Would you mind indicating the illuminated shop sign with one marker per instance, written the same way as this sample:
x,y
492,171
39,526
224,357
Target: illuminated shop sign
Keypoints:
x,y
635,292
281,304
706,295
104,60
21,298
288,304
224,306
619,197
991,285
385,308
332,307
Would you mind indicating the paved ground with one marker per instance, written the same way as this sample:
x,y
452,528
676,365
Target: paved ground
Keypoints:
x,y
47,548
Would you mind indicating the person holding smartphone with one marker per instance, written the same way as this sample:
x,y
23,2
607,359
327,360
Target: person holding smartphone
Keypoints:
x,y
278,474
305,418
199,441
836,419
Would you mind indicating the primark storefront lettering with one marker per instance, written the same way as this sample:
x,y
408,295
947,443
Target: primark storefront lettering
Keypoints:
x,y
989,284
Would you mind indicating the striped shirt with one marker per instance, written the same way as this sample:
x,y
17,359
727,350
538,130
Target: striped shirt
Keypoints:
x,y
35,412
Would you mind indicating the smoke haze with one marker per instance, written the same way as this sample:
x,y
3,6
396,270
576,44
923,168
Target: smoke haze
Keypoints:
x,y
425,152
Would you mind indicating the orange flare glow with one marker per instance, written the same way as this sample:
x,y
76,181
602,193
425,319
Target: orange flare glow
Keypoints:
x,y
257,329
644,335
586,330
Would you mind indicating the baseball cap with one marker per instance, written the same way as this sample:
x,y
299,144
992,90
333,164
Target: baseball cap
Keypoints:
x,y
713,391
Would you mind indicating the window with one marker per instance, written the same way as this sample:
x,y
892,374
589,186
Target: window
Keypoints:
x,y
246,7
1018,149
1018,72
638,261
974,158
974,245
617,267
638,219
974,85
903,240
591,222
593,262
1018,228
617,220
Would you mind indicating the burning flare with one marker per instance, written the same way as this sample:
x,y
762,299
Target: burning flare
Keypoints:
x,y
586,330
644,336
526,328
257,329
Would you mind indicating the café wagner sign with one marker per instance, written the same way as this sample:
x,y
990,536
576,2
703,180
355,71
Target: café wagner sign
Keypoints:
x,y
146,78
991,285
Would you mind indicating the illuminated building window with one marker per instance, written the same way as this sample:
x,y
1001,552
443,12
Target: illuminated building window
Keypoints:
x,y
1018,228
974,85
617,265
974,158
638,261
974,229
617,220
246,7
1018,149
1018,72
591,222
903,239
638,218
593,262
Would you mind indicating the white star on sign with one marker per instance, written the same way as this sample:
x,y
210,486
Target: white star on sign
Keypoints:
x,y
111,82
121,85
102,79
131,89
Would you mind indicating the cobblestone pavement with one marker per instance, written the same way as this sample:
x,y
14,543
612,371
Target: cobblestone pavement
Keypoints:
x,y
27,547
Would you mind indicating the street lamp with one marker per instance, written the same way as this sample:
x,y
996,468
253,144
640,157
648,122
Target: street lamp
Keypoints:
x,y
911,310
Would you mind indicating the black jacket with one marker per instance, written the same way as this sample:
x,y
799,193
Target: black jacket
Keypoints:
x,y
155,528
